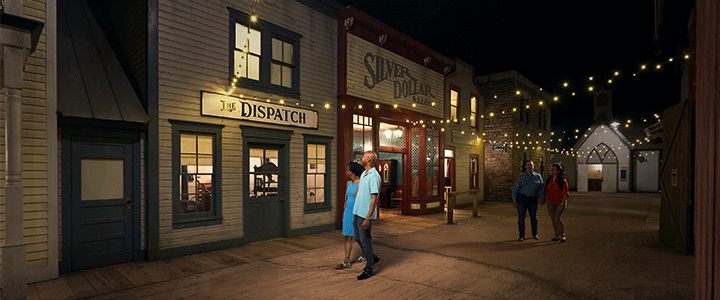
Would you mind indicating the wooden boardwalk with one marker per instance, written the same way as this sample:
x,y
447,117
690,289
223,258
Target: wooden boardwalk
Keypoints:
x,y
98,281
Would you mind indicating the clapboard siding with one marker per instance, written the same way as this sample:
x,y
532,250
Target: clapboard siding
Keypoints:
x,y
34,160
193,57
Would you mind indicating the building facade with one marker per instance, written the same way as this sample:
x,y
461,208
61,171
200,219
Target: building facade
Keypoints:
x,y
32,219
222,130
391,101
464,163
517,128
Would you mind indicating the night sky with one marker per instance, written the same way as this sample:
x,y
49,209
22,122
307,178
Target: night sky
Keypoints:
x,y
551,42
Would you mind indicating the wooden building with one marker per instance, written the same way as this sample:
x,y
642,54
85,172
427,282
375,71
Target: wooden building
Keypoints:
x,y
391,100
28,202
464,127
193,126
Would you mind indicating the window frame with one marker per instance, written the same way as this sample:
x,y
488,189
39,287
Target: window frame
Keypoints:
x,y
475,124
456,89
199,219
327,204
268,31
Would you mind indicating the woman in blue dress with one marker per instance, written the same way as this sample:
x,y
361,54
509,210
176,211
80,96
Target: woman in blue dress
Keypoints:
x,y
353,172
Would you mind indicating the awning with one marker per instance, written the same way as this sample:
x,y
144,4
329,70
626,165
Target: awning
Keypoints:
x,y
91,81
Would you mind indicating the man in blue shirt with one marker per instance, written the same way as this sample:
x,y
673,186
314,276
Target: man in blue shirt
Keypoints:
x,y
364,211
525,195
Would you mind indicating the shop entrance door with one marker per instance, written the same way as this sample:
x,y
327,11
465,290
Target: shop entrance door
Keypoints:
x,y
103,210
264,218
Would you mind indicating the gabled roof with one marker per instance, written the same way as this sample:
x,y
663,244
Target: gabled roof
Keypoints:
x,y
595,126
628,135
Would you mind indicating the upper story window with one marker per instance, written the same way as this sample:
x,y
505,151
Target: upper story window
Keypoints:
x,y
473,112
522,109
454,101
264,56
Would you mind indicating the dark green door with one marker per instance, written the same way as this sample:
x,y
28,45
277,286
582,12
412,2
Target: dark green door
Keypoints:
x,y
102,204
265,200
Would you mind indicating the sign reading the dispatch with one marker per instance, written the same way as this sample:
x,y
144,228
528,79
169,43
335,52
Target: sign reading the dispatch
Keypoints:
x,y
251,110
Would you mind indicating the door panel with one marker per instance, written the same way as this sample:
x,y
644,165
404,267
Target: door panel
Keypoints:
x,y
609,184
102,215
265,206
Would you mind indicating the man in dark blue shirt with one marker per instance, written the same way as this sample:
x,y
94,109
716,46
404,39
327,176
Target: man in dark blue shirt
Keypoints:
x,y
525,195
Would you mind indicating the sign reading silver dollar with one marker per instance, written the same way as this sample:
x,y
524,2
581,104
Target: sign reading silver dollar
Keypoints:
x,y
257,111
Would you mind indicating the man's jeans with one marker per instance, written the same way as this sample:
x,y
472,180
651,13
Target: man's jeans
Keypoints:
x,y
364,239
530,204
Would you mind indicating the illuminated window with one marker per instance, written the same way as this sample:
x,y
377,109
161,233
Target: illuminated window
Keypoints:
x,y
263,56
362,135
474,179
196,183
454,105
317,173
473,112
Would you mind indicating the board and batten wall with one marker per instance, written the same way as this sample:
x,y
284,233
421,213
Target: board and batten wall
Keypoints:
x,y
40,224
193,57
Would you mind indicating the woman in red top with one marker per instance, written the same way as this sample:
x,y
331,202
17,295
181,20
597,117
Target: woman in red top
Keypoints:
x,y
556,193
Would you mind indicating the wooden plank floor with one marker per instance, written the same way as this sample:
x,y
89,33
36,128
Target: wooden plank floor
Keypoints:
x,y
97,281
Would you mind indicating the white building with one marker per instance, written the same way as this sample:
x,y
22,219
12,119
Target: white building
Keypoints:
x,y
616,159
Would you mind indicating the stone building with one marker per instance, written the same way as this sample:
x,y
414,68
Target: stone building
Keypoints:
x,y
517,128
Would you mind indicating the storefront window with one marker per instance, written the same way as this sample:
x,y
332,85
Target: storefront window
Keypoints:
x,y
362,134
392,135
196,183
431,161
316,172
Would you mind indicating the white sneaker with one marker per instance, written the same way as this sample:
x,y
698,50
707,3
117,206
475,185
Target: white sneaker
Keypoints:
x,y
362,259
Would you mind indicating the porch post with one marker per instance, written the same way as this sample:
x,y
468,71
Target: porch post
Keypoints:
x,y
18,38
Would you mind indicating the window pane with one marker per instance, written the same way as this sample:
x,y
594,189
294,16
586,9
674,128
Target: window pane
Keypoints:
x,y
473,104
311,151
453,113
240,63
188,160
101,179
357,137
320,151
320,196
310,181
277,50
254,41
311,196
320,181
241,36
321,166
288,53
205,144
275,74
253,67
286,76
187,143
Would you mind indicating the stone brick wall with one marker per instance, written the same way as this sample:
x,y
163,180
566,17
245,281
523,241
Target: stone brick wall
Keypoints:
x,y
503,125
